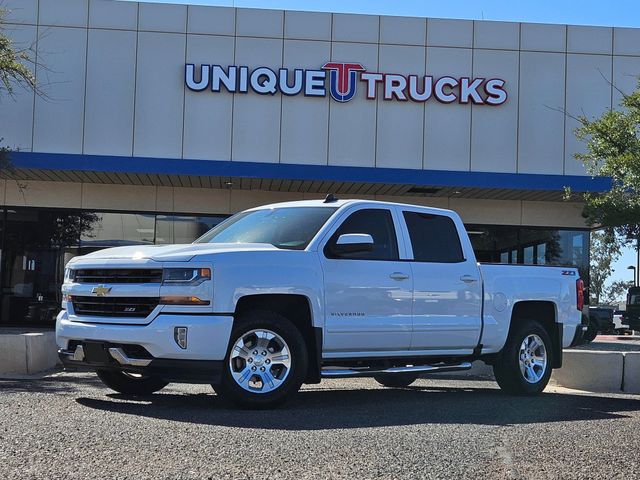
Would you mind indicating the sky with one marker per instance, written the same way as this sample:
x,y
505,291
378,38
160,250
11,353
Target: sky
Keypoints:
x,y
619,13
621,272
615,13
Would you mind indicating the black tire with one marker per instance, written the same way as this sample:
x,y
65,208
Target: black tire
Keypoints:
x,y
230,390
591,333
507,366
130,385
398,380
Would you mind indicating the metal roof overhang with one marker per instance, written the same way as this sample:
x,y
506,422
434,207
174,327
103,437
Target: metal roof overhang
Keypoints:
x,y
296,178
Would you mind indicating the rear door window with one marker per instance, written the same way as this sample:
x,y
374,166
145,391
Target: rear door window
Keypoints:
x,y
434,238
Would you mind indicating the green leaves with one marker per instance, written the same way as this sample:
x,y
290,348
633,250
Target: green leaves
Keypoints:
x,y
605,250
14,64
613,150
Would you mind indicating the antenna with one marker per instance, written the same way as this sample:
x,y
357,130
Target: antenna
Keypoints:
x,y
330,198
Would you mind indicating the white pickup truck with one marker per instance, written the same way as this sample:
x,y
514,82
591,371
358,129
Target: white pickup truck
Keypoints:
x,y
286,294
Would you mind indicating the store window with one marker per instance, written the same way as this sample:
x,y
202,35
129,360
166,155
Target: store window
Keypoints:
x,y
36,244
531,246
104,230
183,229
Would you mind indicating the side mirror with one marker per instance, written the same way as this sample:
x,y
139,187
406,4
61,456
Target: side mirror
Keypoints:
x,y
353,243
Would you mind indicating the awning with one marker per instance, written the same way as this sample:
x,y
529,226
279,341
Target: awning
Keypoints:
x,y
296,177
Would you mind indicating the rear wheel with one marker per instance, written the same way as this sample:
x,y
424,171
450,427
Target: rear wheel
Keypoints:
x,y
130,383
399,380
524,365
266,362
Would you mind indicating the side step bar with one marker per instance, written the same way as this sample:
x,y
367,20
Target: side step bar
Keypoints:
x,y
368,372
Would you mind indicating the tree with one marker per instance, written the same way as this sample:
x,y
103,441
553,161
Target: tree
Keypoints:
x,y
14,72
613,150
604,251
14,63
617,291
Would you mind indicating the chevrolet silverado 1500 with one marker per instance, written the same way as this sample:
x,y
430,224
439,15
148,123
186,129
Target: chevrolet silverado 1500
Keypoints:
x,y
286,294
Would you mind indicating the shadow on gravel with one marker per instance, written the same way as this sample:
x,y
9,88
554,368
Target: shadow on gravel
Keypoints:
x,y
360,408
54,384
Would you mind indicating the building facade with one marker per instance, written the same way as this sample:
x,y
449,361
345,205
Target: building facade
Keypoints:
x,y
154,122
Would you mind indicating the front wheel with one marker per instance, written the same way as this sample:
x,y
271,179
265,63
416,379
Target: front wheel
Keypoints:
x,y
524,366
266,362
130,383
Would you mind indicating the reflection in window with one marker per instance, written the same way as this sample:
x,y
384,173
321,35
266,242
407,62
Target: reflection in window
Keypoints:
x,y
537,246
37,243
528,255
541,255
118,229
183,229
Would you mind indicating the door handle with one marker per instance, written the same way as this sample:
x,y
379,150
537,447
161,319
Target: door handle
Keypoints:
x,y
468,278
399,276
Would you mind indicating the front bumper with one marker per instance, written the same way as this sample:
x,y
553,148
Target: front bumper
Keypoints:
x,y
169,370
207,342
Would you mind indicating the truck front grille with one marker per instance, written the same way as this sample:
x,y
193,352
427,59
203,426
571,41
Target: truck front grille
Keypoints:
x,y
114,306
119,275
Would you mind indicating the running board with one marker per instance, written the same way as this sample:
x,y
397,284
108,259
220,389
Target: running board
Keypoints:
x,y
347,372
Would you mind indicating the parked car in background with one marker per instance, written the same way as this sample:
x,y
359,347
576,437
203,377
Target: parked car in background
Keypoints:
x,y
632,313
600,321
620,324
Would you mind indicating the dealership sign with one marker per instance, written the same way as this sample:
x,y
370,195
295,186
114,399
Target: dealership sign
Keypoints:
x,y
344,80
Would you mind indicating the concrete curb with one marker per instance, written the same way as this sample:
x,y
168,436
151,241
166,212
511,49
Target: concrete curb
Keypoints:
x,y
598,371
586,370
27,353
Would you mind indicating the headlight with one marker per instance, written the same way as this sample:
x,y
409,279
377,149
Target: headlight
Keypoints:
x,y
66,299
185,276
69,275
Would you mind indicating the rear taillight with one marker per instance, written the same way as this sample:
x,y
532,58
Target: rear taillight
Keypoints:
x,y
579,294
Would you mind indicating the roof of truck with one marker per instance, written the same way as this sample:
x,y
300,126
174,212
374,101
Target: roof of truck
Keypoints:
x,y
341,202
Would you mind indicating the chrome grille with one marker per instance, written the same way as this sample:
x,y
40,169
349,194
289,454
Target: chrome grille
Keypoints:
x,y
118,275
114,306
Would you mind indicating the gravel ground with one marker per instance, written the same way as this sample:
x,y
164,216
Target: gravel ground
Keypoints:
x,y
70,426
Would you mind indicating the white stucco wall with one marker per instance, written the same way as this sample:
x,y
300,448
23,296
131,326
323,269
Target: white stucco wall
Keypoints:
x,y
112,74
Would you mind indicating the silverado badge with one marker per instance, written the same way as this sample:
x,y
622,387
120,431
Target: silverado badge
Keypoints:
x,y
101,290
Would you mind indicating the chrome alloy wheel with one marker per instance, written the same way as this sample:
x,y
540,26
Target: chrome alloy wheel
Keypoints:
x,y
260,361
533,358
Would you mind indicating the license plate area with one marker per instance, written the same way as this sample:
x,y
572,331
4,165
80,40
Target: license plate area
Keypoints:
x,y
96,352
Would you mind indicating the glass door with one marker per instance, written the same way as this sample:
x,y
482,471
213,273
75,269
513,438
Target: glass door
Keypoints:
x,y
36,246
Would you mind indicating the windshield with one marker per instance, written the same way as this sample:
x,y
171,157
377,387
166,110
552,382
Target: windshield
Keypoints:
x,y
288,227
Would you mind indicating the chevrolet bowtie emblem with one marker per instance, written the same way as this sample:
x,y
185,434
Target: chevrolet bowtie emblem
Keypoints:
x,y
101,290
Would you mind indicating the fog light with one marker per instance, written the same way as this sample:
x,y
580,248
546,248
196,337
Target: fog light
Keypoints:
x,y
179,300
180,336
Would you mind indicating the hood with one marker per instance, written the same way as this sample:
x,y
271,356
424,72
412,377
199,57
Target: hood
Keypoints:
x,y
173,253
